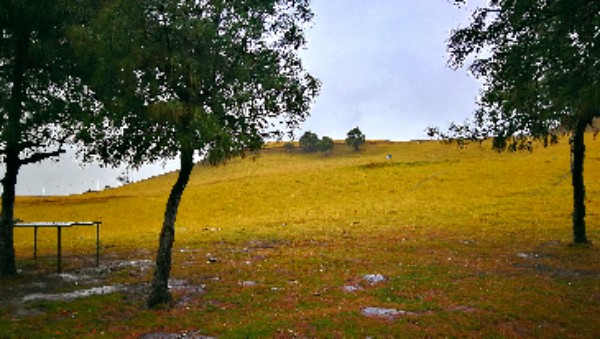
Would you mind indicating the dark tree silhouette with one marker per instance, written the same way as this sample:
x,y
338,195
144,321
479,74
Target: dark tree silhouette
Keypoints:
x,y
41,96
540,63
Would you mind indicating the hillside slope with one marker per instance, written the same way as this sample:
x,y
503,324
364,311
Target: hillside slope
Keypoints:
x,y
467,242
425,184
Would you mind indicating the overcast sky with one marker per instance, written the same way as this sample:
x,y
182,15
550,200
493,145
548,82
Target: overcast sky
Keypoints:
x,y
383,68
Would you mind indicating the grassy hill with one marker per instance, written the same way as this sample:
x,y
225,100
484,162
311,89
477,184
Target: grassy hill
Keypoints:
x,y
469,242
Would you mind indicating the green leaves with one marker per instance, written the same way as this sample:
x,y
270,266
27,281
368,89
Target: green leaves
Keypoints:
x,y
215,73
539,63
355,138
538,60
309,141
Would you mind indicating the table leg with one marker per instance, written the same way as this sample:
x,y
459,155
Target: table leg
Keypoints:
x,y
35,243
97,244
59,250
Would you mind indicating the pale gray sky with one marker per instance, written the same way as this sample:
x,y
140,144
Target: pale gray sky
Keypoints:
x,y
383,68
383,65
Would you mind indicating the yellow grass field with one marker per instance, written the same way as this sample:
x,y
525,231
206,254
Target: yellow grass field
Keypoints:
x,y
470,243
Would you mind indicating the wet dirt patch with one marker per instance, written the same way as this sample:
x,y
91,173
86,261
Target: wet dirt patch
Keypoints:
x,y
29,288
247,283
184,292
351,288
385,313
374,279
559,261
364,281
68,296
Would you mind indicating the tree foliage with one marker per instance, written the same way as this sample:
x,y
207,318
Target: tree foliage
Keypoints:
x,y
325,145
309,142
539,61
178,78
42,97
355,138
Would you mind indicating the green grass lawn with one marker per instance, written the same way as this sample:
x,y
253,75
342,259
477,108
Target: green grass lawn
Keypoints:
x,y
471,243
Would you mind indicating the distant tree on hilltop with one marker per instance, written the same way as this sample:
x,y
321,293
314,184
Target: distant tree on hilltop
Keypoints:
x,y
309,142
325,145
355,138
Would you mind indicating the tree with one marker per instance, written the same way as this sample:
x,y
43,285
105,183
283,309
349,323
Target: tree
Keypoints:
x,y
309,142
539,60
325,145
179,78
41,96
355,138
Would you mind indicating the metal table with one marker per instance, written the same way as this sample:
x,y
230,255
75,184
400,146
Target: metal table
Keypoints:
x,y
59,226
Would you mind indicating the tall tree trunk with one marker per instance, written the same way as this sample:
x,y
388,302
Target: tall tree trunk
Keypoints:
x,y
577,158
159,294
12,137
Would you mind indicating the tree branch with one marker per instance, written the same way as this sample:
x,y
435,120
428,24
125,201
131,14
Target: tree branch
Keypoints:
x,y
41,156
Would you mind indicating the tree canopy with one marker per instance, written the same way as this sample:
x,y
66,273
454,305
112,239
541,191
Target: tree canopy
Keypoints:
x,y
191,73
309,141
539,61
179,78
355,138
325,145
42,97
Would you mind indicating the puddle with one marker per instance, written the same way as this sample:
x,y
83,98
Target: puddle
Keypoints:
x,y
351,288
528,255
175,284
180,284
139,263
388,313
67,296
78,278
46,286
70,277
91,281
374,279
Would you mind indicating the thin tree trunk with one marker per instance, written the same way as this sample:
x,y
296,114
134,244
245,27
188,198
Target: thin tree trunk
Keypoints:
x,y
577,158
7,249
159,294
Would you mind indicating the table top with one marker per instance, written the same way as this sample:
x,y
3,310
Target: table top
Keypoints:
x,y
57,223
